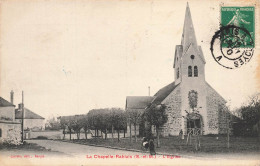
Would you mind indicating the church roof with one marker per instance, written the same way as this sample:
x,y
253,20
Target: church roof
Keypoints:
x,y
164,92
138,102
28,114
5,103
178,51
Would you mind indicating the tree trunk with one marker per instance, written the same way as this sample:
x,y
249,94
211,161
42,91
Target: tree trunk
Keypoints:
x,y
195,135
106,133
97,132
70,133
228,137
135,132
130,128
64,133
86,134
124,133
118,135
112,132
157,134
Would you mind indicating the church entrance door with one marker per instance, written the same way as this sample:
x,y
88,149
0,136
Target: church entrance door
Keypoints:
x,y
194,126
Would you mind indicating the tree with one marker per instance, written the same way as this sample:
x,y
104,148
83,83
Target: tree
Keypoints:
x,y
52,124
66,122
101,119
76,124
134,117
116,120
156,115
250,115
63,125
93,122
104,120
85,124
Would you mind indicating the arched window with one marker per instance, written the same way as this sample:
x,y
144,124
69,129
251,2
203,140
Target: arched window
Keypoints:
x,y
189,71
0,132
178,73
195,71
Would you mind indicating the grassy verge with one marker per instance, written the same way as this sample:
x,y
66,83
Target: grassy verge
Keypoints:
x,y
174,145
24,146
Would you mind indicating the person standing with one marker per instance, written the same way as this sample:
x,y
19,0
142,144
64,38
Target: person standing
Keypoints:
x,y
151,147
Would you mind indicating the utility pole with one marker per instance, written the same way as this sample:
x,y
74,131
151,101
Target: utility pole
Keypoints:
x,y
22,116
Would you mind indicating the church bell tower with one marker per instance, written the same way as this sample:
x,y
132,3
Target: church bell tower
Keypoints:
x,y
189,61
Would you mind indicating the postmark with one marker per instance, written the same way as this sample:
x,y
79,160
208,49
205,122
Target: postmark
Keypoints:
x,y
233,45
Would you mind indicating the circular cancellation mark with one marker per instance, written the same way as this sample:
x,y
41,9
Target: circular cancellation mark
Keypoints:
x,y
232,46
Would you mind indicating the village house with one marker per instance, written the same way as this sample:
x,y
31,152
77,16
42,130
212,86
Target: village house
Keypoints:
x,y
189,74
10,129
32,121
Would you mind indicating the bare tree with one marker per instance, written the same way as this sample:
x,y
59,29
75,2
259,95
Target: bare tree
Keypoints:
x,y
134,117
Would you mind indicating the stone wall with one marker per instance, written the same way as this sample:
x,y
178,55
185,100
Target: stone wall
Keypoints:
x,y
173,110
11,132
214,103
224,119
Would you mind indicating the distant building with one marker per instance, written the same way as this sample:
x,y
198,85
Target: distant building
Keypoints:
x,y
10,130
32,120
189,66
137,103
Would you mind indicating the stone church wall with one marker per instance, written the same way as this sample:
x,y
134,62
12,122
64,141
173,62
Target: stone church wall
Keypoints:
x,y
223,118
173,103
214,114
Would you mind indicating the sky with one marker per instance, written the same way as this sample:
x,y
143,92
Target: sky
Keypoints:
x,y
73,56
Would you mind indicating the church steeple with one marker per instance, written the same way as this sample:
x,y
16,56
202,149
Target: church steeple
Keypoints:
x,y
188,34
189,60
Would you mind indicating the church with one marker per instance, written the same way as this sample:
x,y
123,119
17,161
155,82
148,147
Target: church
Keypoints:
x,y
189,68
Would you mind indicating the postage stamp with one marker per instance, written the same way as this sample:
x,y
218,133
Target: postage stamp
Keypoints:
x,y
233,45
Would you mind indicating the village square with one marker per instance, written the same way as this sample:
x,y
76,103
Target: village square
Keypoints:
x,y
187,117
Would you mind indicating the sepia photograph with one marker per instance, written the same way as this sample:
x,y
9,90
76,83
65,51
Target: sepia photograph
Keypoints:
x,y
129,82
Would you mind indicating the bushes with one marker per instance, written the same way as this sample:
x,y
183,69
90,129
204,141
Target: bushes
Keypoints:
x,y
243,129
41,137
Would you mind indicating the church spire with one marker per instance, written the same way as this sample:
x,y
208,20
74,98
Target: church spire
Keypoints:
x,y
188,34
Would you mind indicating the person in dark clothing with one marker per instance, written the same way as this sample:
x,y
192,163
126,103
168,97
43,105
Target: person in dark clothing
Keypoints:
x,y
145,143
151,147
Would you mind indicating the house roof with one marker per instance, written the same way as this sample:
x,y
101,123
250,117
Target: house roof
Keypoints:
x,y
5,103
164,92
28,114
138,102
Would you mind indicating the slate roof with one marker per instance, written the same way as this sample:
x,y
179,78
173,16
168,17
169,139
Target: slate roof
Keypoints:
x,y
138,102
5,103
164,92
28,114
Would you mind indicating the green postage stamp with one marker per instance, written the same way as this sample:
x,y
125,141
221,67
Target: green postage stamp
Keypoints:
x,y
241,17
236,36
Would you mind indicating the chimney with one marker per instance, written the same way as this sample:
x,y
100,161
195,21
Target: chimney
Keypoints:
x,y
20,106
12,96
148,90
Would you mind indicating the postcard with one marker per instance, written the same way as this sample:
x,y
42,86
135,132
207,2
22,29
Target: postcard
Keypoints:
x,y
129,82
